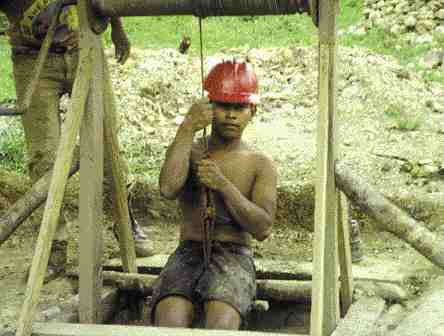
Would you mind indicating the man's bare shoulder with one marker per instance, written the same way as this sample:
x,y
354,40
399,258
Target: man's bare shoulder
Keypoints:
x,y
261,159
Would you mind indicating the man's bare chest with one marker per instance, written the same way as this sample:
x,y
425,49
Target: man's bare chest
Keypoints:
x,y
239,169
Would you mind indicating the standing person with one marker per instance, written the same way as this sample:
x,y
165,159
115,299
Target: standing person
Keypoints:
x,y
243,183
29,20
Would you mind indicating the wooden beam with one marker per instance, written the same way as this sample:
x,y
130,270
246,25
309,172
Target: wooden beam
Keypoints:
x,y
389,217
67,329
325,301
112,148
91,181
275,290
51,214
115,8
282,269
344,252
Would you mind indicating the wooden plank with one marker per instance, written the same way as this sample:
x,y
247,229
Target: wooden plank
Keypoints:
x,y
281,269
51,214
71,329
112,148
325,301
344,252
361,318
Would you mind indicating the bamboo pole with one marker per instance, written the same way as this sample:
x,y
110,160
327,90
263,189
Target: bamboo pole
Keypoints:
x,y
390,217
51,215
325,301
26,205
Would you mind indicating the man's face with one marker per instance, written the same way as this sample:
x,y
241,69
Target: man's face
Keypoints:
x,y
230,119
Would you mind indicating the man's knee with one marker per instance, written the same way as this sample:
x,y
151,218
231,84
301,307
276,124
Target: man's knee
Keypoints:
x,y
174,311
221,315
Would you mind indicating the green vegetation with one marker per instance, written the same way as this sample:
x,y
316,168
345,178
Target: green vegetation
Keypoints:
x,y
401,120
12,156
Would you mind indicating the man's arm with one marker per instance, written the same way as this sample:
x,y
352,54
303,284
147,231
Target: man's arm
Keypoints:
x,y
255,216
120,40
175,169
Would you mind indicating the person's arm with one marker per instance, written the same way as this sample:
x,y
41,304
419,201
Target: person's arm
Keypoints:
x,y
120,40
255,216
176,166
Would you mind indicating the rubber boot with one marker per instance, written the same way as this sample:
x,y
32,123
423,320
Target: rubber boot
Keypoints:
x,y
355,241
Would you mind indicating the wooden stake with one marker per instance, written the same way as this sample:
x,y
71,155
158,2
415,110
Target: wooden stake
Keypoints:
x,y
325,300
51,214
345,260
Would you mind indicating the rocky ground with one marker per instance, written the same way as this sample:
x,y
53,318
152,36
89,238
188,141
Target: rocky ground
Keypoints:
x,y
390,133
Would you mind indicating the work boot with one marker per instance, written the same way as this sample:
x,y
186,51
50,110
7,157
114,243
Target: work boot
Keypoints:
x,y
355,242
144,247
56,262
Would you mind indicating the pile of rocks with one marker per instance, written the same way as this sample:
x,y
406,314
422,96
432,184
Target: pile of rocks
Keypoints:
x,y
400,16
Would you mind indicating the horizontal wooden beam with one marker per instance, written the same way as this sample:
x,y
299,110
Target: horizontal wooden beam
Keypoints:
x,y
71,329
275,290
202,8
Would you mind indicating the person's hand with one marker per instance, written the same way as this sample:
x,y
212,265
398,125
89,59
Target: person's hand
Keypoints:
x,y
200,115
121,43
210,175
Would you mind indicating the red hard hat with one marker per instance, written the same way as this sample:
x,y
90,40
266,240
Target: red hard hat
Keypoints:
x,y
232,82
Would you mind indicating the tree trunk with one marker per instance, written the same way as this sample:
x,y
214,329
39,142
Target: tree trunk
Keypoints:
x,y
25,206
390,217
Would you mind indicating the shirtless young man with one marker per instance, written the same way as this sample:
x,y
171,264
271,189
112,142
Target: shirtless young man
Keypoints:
x,y
244,186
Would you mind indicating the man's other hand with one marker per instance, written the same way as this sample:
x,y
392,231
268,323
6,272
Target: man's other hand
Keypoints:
x,y
210,175
200,115
120,40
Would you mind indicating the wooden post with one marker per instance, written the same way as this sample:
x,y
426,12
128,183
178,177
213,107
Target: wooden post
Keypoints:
x,y
325,300
345,260
51,214
91,180
126,239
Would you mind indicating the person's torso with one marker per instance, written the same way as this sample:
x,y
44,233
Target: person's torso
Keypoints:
x,y
240,169
21,16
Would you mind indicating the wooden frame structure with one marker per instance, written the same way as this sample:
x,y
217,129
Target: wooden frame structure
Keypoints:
x,y
92,113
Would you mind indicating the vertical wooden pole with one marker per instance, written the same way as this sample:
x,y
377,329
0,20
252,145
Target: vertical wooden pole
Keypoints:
x,y
51,213
325,297
112,148
91,181
345,261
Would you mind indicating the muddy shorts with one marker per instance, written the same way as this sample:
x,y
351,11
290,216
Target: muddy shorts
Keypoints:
x,y
231,276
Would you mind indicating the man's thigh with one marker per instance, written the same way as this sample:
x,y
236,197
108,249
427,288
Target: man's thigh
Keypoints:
x,y
231,279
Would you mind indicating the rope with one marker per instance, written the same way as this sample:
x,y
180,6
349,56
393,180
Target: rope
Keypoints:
x,y
207,206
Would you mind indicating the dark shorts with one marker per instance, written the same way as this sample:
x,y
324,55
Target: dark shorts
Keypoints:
x,y
231,276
